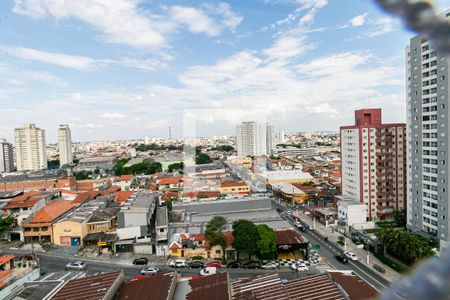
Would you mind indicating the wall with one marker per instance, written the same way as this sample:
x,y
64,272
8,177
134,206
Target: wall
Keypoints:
x,y
69,228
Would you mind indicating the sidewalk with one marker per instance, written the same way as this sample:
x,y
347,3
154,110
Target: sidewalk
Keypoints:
x,y
390,274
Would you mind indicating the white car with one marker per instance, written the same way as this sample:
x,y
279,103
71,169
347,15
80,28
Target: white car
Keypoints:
x,y
350,255
270,266
149,271
76,266
208,271
179,263
299,267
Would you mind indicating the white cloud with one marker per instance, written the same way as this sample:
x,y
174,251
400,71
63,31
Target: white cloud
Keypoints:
x,y
84,63
196,20
125,22
59,59
111,115
359,20
120,21
381,26
286,47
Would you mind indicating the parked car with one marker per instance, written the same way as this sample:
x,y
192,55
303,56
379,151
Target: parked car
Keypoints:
x,y
299,267
215,264
252,265
150,271
350,255
208,271
270,266
379,268
196,264
76,266
234,265
179,263
140,261
356,240
342,259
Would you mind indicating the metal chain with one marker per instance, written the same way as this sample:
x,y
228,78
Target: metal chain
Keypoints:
x,y
420,16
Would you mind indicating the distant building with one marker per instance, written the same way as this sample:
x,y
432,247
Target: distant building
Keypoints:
x,y
65,145
254,139
294,151
373,157
6,157
30,148
290,176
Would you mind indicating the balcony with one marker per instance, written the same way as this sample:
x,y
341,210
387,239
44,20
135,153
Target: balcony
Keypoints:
x,y
384,180
390,193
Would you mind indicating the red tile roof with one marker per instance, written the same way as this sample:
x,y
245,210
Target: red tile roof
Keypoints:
x,y
170,180
288,237
169,195
127,177
81,198
5,259
233,184
123,196
149,288
52,211
209,287
21,202
355,287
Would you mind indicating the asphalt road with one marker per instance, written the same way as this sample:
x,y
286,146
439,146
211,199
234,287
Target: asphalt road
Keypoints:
x,y
328,251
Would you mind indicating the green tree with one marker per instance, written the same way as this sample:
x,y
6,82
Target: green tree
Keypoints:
x,y
214,233
400,217
245,237
224,148
267,245
118,167
53,164
83,175
176,167
202,158
6,223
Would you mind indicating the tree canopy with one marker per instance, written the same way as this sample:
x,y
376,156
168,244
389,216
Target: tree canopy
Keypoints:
x,y
146,167
245,237
403,245
224,148
156,147
267,246
176,167
6,222
214,232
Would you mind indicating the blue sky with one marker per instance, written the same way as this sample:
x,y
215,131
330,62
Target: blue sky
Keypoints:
x,y
119,69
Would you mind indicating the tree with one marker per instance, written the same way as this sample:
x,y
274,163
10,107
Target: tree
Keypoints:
x,y
214,233
53,164
267,246
176,167
245,237
118,167
400,218
202,158
6,223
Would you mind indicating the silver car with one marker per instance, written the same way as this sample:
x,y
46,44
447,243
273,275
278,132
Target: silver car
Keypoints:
x,y
150,271
76,266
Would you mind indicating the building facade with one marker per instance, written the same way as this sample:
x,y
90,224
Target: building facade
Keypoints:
x,y
427,73
30,148
373,158
254,139
65,145
6,157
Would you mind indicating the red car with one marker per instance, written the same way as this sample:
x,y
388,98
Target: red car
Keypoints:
x,y
215,264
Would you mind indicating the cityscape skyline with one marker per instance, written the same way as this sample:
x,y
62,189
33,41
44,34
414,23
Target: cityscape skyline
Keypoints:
x,y
293,57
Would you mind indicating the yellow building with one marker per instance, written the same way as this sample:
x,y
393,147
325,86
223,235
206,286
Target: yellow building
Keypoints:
x,y
234,187
289,192
241,160
70,231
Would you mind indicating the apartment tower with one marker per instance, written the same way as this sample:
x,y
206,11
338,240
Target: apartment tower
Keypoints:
x,y
30,148
6,157
427,73
65,145
255,139
373,163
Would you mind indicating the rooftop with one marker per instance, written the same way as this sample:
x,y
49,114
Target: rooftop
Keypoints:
x,y
208,287
149,288
288,237
91,287
286,175
287,188
52,211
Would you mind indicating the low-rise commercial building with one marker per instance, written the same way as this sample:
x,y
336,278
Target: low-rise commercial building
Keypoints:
x,y
351,212
289,192
234,187
290,176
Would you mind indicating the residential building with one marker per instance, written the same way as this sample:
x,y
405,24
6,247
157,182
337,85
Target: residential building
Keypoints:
x,y
6,157
427,73
38,227
351,212
30,148
373,163
290,176
254,139
234,187
65,145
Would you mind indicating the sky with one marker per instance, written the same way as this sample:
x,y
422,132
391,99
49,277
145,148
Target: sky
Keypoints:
x,y
126,69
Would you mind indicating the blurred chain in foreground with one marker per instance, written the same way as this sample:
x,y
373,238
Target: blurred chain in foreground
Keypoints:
x,y
420,16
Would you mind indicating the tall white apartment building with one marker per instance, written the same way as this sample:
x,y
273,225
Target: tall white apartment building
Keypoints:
x,y
373,163
6,157
253,138
427,73
30,148
65,145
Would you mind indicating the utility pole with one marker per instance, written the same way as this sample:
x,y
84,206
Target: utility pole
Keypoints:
x,y
345,242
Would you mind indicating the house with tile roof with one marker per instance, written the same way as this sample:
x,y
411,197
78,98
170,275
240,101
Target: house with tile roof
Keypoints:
x,y
38,227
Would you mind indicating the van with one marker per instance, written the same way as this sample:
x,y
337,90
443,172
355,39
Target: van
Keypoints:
x,y
208,271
